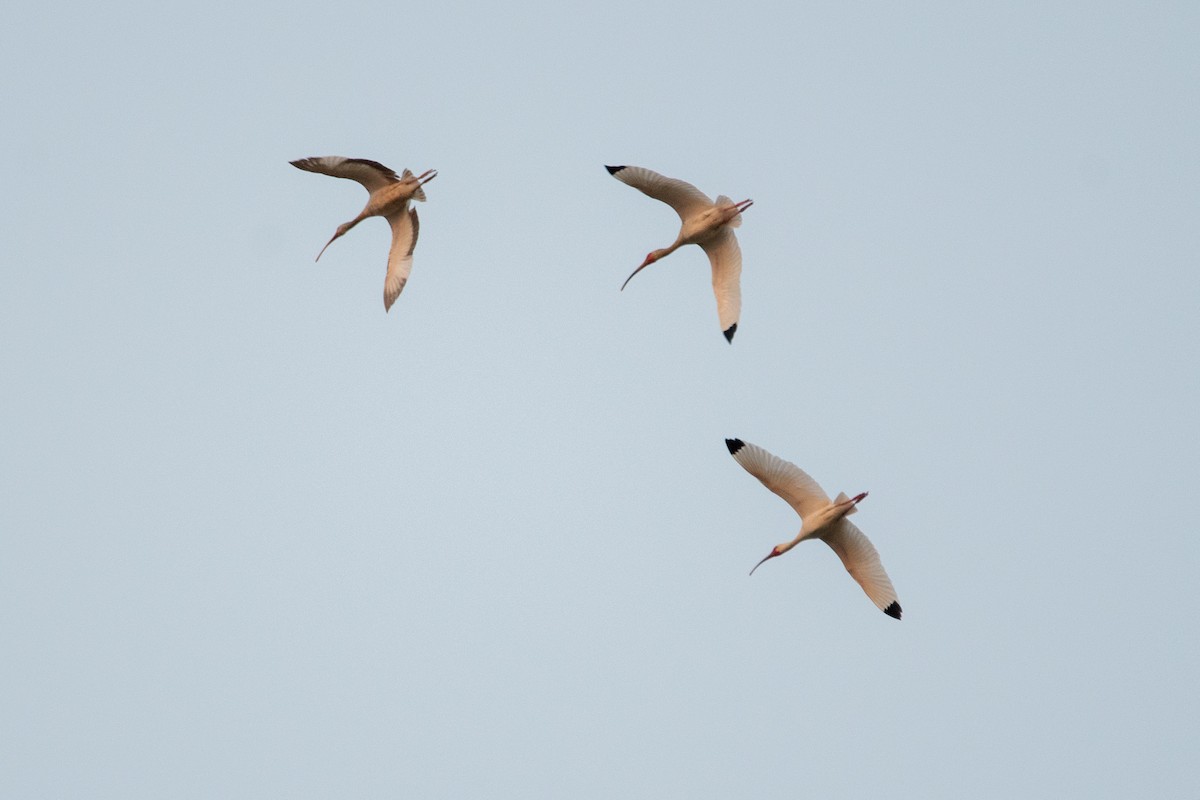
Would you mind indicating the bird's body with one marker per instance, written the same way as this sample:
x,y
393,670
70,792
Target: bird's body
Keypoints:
x,y
822,518
705,223
389,198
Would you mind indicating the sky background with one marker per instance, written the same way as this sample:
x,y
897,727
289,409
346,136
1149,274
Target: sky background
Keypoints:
x,y
260,539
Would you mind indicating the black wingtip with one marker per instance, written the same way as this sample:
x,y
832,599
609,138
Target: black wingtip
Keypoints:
x,y
613,170
730,332
893,610
737,444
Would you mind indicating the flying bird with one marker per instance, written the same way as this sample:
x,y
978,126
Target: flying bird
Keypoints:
x,y
822,518
389,198
705,223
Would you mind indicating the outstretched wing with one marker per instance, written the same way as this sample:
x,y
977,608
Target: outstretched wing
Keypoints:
x,y
862,561
371,174
726,258
782,477
686,199
405,227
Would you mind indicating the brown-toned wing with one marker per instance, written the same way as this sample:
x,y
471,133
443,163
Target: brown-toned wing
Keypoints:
x,y
405,227
371,174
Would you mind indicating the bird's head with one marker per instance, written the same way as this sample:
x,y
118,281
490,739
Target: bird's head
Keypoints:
x,y
341,231
650,259
777,550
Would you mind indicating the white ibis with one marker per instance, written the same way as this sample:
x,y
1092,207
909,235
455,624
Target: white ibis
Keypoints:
x,y
823,519
389,198
705,223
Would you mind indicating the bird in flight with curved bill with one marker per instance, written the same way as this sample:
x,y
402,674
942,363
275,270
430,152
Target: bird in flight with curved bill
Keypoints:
x,y
705,223
389,198
822,519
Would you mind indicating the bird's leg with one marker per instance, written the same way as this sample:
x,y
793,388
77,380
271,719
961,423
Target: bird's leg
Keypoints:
x,y
426,176
853,501
732,215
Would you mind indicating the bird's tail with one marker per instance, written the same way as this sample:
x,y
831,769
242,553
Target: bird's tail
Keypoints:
x,y
419,194
736,222
843,498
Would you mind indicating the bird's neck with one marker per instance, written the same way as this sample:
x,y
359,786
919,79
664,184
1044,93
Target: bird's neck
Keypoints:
x,y
783,548
353,222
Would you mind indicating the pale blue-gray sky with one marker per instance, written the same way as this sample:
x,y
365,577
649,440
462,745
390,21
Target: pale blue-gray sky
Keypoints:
x,y
259,539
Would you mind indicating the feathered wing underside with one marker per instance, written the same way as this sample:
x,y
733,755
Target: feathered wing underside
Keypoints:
x,y
371,174
726,259
686,199
405,228
862,561
782,477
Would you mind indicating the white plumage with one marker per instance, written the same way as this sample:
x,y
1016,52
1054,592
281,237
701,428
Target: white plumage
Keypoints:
x,y
822,518
705,223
